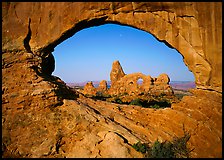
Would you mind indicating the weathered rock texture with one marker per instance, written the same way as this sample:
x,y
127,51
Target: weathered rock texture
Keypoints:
x,y
89,89
122,83
102,88
116,72
127,84
194,29
42,117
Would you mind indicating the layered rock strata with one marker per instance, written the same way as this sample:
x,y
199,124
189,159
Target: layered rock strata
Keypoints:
x,y
192,28
42,117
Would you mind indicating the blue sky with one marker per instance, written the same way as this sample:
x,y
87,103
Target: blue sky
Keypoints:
x,y
88,55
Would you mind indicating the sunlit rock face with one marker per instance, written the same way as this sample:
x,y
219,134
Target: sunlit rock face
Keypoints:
x,y
102,88
194,29
116,73
127,84
89,89
42,117
122,83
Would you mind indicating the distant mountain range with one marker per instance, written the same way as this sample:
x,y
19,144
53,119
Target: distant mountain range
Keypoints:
x,y
179,85
182,85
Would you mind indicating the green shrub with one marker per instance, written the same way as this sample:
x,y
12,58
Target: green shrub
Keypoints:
x,y
174,149
156,106
180,146
117,100
136,102
160,104
140,147
99,94
162,150
150,104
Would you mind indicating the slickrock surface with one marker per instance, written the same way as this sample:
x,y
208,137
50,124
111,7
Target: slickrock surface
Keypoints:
x,y
42,117
36,122
193,114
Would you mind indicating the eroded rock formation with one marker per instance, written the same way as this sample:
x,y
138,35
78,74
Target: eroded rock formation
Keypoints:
x,y
127,84
116,73
89,89
187,27
102,88
42,117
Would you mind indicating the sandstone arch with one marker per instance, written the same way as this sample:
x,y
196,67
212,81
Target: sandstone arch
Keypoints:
x,y
36,107
180,25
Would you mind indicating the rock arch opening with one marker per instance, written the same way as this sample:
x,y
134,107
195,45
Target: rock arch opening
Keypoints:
x,y
194,29
109,50
91,52
140,81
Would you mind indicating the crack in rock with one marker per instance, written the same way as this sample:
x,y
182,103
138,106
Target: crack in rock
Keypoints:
x,y
27,38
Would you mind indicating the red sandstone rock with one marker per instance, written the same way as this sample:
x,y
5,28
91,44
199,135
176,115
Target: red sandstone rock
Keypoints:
x,y
89,89
116,72
162,79
127,84
127,87
40,126
102,86
52,122
185,26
